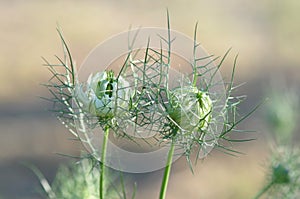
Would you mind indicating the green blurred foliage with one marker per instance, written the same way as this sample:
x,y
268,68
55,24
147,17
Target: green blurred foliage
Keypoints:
x,y
282,113
81,181
282,119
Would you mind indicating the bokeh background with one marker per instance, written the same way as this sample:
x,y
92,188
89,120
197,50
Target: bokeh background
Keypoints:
x,y
265,34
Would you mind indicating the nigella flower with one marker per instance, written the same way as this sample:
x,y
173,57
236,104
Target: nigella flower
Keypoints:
x,y
190,108
103,94
284,174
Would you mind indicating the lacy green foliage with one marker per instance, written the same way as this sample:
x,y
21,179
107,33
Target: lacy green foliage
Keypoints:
x,y
61,87
153,103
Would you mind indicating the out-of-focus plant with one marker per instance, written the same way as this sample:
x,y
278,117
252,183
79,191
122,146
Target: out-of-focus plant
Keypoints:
x,y
283,179
81,181
283,172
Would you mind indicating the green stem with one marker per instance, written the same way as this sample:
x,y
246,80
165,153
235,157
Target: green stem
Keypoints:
x,y
102,163
164,185
264,190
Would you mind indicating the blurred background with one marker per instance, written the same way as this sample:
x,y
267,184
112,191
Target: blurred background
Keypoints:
x,y
265,34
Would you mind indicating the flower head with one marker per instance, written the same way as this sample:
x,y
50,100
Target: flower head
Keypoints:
x,y
103,95
190,108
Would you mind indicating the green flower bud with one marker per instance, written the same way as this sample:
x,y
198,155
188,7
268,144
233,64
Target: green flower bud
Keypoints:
x,y
190,108
103,94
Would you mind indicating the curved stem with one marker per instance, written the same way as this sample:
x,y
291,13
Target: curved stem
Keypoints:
x,y
102,163
164,185
264,190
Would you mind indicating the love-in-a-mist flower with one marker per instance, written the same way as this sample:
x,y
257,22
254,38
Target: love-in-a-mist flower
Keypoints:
x,y
284,175
103,94
190,108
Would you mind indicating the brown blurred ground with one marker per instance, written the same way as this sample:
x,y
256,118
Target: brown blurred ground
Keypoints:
x,y
264,33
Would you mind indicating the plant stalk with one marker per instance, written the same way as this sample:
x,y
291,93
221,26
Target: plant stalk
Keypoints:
x,y
264,190
102,163
164,185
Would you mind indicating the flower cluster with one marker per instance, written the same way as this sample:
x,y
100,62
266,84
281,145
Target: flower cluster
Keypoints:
x,y
108,97
140,100
146,101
